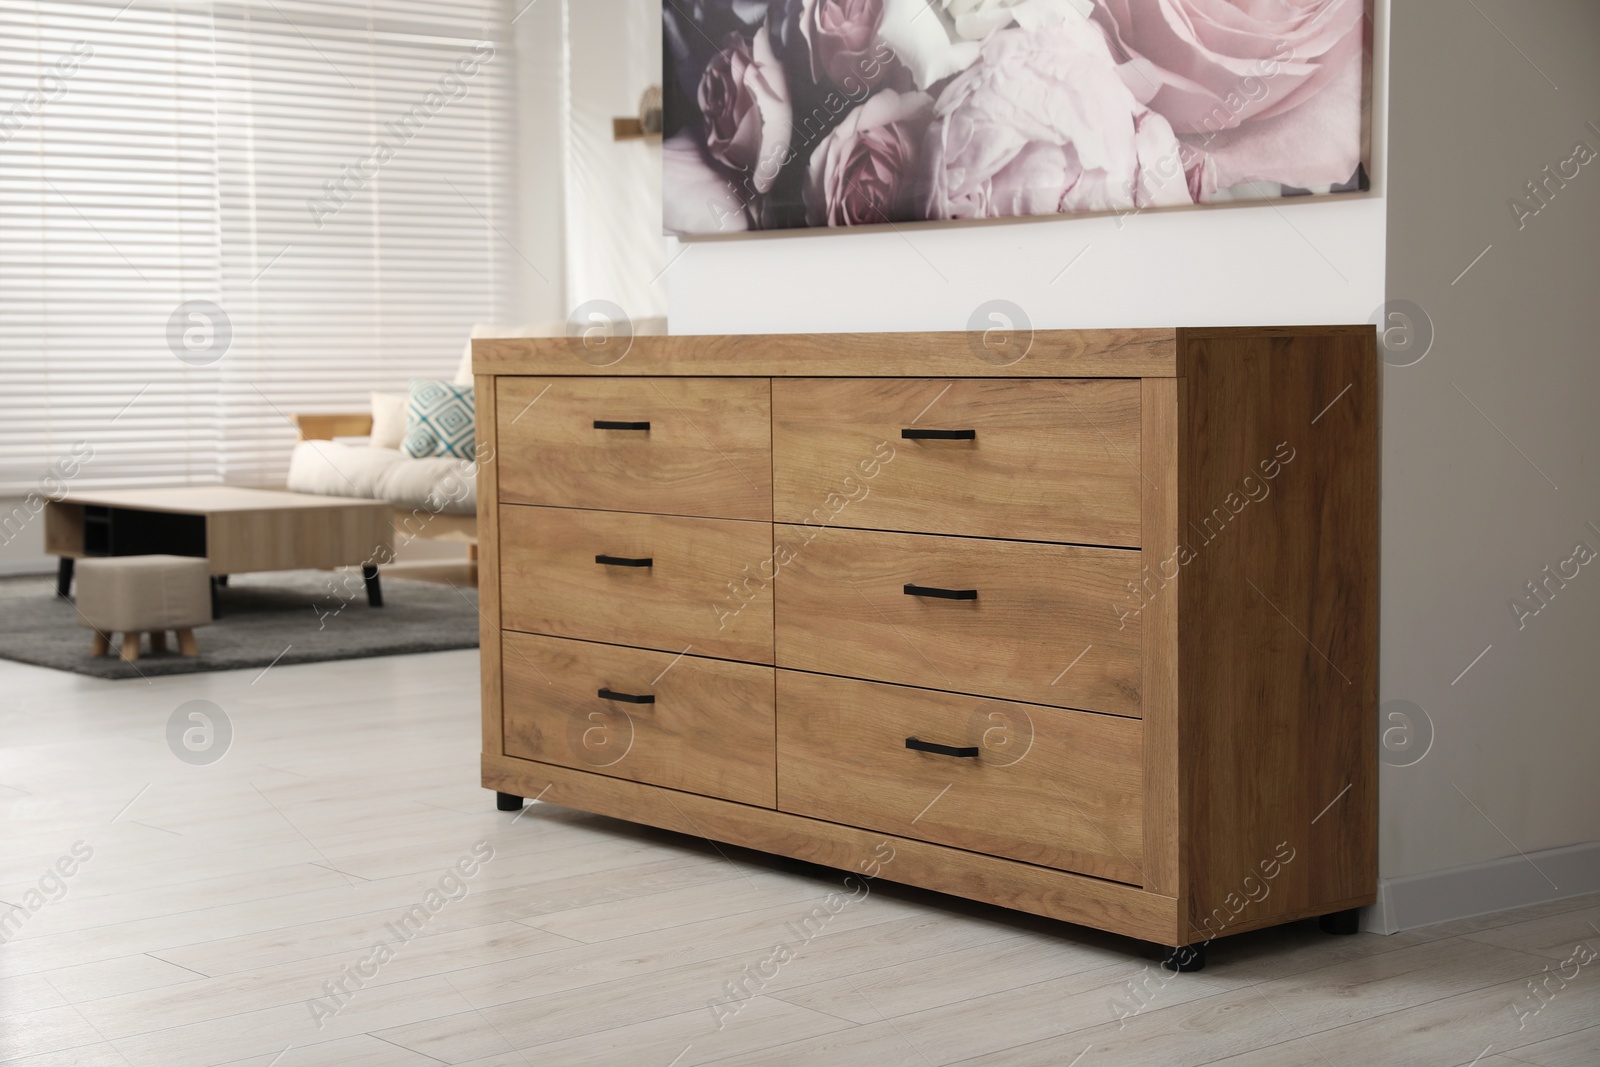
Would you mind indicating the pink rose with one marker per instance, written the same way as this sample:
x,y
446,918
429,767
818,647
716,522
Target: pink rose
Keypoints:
x,y
1042,124
1214,66
842,36
744,97
865,170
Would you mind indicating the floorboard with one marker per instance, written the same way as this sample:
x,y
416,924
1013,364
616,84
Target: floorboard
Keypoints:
x,y
213,911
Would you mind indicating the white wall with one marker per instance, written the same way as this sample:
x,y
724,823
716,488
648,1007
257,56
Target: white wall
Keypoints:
x,y
533,254
1258,264
1491,442
615,250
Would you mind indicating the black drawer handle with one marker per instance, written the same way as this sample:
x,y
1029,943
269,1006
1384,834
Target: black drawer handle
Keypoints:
x,y
627,698
939,435
941,594
942,750
624,561
609,424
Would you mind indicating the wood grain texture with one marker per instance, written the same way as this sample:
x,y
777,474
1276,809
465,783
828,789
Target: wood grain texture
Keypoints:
x,y
327,427
707,452
1042,628
1164,768
435,526
485,388
1050,460
1049,354
292,538
1234,609
709,730
246,529
1280,706
1049,787
210,499
1025,887
63,529
703,591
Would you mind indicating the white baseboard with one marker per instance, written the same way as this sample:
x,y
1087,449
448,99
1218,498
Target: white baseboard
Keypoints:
x,y
11,568
1481,888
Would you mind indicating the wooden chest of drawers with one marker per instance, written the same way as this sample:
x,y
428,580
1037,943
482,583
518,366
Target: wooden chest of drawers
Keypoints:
x,y
1091,634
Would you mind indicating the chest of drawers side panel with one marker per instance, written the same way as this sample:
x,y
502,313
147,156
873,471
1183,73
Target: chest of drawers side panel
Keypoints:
x,y
1161,436
489,564
1278,623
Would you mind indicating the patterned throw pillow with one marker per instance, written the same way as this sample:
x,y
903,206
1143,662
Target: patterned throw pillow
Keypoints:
x,y
439,420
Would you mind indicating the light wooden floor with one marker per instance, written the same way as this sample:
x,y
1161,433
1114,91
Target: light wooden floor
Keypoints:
x,y
219,899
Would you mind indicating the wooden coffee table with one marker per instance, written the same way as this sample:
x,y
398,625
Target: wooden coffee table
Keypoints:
x,y
236,530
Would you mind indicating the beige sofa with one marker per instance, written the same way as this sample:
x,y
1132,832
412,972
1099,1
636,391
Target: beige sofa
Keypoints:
x,y
434,498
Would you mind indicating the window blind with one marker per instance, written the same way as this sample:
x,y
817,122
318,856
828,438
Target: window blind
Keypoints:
x,y
108,221
237,213
361,149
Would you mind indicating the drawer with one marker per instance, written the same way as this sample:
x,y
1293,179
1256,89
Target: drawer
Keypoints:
x,y
700,725
1046,786
1050,460
673,446
1042,626
701,589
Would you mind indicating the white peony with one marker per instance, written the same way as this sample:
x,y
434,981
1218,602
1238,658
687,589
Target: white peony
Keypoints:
x,y
936,42
977,19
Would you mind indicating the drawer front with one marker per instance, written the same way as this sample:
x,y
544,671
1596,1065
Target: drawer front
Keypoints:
x,y
1046,786
672,446
1042,626
700,725
1045,460
702,588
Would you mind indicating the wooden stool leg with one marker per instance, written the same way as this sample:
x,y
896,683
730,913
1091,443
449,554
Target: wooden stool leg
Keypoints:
x,y
187,644
130,645
158,641
102,643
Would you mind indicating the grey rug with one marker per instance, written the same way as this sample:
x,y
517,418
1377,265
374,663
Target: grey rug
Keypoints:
x,y
287,617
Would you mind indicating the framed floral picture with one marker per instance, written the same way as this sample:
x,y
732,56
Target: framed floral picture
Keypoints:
x,y
791,113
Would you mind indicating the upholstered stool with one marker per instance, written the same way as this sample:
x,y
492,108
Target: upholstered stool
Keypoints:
x,y
134,594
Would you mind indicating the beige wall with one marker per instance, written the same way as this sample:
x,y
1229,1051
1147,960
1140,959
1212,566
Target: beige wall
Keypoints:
x,y
1491,442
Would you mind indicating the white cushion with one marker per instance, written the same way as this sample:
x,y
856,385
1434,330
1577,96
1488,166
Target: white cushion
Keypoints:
x,y
388,419
438,484
331,469
433,483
